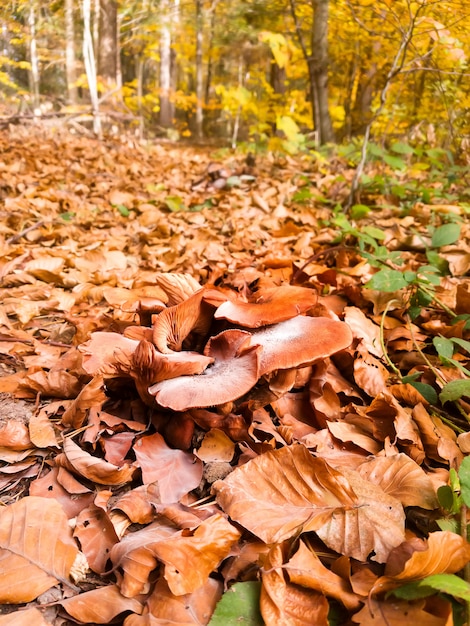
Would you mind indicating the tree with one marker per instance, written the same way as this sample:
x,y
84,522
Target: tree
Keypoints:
x,y
108,44
316,56
70,60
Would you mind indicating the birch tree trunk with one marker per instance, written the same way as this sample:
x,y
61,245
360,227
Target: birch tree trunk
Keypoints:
x,y
33,57
166,109
199,70
70,53
90,65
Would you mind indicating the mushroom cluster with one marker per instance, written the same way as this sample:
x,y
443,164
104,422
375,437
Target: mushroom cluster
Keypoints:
x,y
211,347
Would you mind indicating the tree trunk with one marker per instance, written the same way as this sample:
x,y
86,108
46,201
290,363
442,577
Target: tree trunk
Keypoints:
x,y
166,109
316,56
70,54
90,66
318,72
33,57
199,70
107,49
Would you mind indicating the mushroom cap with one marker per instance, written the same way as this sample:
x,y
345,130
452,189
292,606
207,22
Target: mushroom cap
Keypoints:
x,y
300,341
234,373
174,324
271,305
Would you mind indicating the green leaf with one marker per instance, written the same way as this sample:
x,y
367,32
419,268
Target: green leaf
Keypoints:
x,y
123,210
435,259
444,583
387,280
399,147
238,606
395,162
464,476
455,390
359,211
302,195
428,392
374,232
175,204
207,204
445,497
67,216
462,343
233,181
444,347
445,235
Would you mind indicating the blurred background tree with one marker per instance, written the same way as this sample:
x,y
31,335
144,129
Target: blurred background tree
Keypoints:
x,y
268,72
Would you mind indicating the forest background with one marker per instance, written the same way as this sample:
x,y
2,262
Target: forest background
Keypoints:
x,y
268,72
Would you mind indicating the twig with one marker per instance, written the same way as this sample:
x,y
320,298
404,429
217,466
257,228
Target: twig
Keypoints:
x,y
24,232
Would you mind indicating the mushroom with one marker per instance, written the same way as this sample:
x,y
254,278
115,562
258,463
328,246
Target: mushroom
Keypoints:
x,y
270,306
300,341
174,324
234,372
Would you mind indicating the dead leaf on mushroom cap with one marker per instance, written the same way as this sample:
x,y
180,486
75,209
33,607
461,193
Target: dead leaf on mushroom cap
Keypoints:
x,y
300,341
272,305
234,373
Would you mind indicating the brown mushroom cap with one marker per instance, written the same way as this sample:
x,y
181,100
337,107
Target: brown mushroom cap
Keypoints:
x,y
269,306
234,373
174,324
300,341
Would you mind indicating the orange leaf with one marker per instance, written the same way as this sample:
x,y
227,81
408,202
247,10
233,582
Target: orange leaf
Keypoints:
x,y
36,549
283,492
284,603
444,552
100,606
80,462
192,609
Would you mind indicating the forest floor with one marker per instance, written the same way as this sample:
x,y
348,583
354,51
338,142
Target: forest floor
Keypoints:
x,y
280,476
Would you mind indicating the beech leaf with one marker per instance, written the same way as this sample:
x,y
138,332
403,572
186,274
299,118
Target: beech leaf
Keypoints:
x,y
282,493
36,549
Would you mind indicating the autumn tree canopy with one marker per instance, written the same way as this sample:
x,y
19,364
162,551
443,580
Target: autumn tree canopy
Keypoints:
x,y
253,71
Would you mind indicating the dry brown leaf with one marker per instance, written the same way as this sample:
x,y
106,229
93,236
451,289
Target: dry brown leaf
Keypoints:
x,y
49,487
306,569
402,478
14,435
282,493
36,549
24,617
370,529
176,472
189,558
100,606
97,470
395,612
444,552
194,609
91,395
134,555
41,431
364,329
97,536
284,603
216,446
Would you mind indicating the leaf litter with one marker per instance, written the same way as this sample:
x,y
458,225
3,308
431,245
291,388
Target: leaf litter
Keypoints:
x,y
199,391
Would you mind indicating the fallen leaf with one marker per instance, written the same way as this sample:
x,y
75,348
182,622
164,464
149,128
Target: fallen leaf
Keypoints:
x,y
36,549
